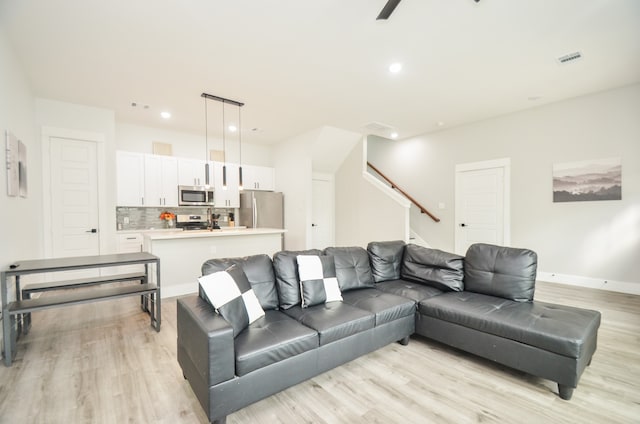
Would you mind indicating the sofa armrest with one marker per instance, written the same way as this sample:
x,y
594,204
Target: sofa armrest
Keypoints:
x,y
206,340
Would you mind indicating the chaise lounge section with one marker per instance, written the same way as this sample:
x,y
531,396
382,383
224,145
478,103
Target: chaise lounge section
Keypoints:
x,y
481,303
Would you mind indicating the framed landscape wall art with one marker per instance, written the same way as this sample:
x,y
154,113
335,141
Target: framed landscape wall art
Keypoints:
x,y
591,180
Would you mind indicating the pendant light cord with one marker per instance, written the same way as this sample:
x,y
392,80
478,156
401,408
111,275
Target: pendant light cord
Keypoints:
x,y
206,143
240,181
224,152
206,130
224,144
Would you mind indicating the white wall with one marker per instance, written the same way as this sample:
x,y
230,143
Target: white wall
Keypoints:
x,y
20,220
136,138
294,172
20,223
363,211
296,159
592,241
62,116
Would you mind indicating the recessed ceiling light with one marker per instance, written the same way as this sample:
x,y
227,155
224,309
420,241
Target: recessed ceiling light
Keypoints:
x,y
394,135
440,123
165,115
394,68
233,128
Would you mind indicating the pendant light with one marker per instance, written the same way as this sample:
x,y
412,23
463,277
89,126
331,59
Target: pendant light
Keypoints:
x,y
224,153
224,141
206,142
240,183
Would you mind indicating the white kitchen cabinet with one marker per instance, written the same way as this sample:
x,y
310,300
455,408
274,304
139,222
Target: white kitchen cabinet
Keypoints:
x,y
258,178
160,180
191,172
130,178
229,198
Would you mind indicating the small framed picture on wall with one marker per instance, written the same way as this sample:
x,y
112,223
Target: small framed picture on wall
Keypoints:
x,y
16,163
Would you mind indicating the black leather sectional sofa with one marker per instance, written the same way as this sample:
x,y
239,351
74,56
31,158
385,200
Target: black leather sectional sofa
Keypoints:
x,y
481,303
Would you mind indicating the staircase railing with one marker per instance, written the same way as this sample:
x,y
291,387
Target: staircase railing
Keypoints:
x,y
404,193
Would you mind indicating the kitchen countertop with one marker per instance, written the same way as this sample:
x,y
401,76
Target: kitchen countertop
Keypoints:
x,y
226,232
150,230
170,230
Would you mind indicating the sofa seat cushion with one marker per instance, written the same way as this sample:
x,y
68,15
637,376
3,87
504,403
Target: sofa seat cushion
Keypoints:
x,y
387,307
271,339
409,289
555,328
333,321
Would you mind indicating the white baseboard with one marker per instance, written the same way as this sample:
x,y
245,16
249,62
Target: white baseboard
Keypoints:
x,y
592,283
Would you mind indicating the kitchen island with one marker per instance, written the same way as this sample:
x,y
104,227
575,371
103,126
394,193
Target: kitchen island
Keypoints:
x,y
183,252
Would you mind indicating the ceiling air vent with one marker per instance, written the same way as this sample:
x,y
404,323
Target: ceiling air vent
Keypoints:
x,y
567,58
377,127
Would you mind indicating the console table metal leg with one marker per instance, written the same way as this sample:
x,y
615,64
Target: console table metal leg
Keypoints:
x,y
26,318
7,338
20,318
144,300
157,302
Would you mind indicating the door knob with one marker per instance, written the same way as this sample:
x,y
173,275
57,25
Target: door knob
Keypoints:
x,y
463,225
314,225
93,230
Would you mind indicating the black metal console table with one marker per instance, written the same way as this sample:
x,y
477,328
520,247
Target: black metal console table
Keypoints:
x,y
12,327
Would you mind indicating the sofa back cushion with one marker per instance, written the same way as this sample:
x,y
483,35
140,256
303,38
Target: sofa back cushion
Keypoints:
x,y
385,258
433,267
232,296
352,267
285,265
499,271
259,272
318,282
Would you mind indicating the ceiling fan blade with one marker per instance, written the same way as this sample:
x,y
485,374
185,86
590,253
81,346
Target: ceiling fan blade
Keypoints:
x,y
388,9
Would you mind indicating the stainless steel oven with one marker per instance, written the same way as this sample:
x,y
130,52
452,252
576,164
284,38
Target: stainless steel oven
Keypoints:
x,y
195,195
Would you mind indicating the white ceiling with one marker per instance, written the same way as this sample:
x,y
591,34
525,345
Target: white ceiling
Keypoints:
x,y
300,65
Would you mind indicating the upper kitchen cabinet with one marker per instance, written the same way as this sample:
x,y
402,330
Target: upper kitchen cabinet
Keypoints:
x,y
160,180
191,172
130,178
229,198
258,178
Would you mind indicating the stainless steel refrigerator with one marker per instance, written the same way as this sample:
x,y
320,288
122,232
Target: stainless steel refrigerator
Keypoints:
x,y
261,209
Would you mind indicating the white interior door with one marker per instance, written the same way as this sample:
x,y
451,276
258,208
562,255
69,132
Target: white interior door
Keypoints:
x,y
74,198
482,204
322,234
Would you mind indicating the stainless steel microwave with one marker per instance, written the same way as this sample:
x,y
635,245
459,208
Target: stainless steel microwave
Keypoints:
x,y
195,195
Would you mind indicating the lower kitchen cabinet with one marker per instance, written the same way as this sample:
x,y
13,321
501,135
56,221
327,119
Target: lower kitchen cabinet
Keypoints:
x,y
130,243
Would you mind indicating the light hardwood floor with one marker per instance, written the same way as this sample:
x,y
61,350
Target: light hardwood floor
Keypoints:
x,y
102,363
